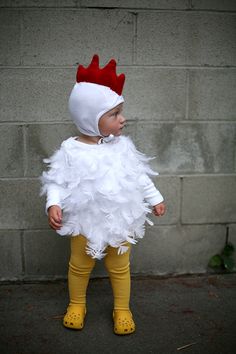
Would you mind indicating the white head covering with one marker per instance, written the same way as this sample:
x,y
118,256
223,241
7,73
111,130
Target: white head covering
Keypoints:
x,y
88,102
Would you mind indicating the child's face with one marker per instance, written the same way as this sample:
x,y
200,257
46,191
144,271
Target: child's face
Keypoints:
x,y
112,122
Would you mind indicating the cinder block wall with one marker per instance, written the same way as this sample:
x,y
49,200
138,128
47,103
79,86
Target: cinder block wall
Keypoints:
x,y
180,62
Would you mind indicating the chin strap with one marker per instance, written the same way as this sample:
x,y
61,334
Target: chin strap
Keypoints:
x,y
106,139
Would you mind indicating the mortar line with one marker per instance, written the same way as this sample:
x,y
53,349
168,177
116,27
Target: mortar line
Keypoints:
x,y
80,8
25,159
21,36
227,235
132,120
164,175
187,96
19,178
22,252
210,223
138,66
147,228
181,200
134,41
120,8
235,153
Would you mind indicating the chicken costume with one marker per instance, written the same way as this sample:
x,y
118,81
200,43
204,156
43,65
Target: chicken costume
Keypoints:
x,y
103,189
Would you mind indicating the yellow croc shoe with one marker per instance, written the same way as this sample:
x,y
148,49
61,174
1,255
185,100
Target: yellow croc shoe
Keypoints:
x,y
74,318
123,322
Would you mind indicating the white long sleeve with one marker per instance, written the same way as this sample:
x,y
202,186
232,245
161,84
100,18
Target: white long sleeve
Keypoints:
x,y
151,193
53,196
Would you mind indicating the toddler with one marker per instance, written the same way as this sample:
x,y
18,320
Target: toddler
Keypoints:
x,y
99,192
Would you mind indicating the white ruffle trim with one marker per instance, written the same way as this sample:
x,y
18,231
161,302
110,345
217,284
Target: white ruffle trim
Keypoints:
x,y
100,192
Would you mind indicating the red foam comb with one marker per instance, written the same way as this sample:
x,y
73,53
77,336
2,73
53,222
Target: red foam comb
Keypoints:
x,y
105,76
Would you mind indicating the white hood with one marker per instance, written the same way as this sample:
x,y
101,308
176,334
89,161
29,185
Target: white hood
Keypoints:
x,y
88,102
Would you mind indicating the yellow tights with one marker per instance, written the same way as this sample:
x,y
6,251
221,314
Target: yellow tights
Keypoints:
x,y
80,267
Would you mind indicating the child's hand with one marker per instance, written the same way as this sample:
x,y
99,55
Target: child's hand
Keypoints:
x,y
55,217
159,209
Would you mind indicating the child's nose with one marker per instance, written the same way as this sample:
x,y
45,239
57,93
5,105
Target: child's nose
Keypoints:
x,y
122,119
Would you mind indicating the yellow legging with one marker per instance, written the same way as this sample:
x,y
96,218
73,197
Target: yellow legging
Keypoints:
x,y
81,265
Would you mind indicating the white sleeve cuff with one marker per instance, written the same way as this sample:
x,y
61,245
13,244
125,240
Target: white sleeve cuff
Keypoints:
x,y
157,199
50,203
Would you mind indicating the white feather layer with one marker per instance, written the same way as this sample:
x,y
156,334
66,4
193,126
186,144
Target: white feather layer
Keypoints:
x,y
101,192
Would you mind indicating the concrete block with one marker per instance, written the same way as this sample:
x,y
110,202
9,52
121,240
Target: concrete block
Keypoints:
x,y
56,254
232,238
226,5
46,254
20,205
12,151
188,147
147,4
169,186
212,94
10,255
10,53
42,141
38,3
155,94
209,199
177,250
66,37
186,38
134,4
30,95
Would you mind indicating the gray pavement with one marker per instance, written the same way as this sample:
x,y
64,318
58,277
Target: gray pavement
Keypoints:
x,y
194,314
